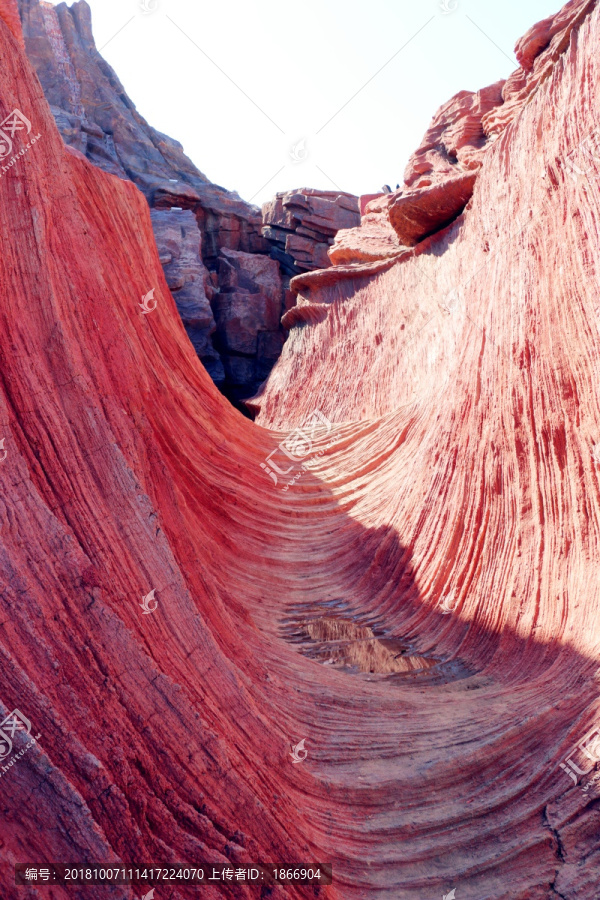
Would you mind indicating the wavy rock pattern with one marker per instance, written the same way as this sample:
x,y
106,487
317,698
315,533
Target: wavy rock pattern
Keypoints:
x,y
97,118
449,517
466,444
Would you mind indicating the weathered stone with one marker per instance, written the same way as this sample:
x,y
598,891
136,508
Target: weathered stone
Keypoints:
x,y
96,118
307,220
375,239
286,262
178,240
277,235
401,597
315,235
240,371
239,318
9,12
418,213
455,142
254,273
296,244
274,213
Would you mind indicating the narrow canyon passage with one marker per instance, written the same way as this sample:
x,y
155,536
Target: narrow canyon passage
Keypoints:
x,y
415,599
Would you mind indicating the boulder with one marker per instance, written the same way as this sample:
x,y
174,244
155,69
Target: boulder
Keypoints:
x,y
416,214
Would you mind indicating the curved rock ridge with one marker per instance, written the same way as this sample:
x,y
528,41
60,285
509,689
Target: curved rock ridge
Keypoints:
x,y
468,365
462,136
406,584
122,475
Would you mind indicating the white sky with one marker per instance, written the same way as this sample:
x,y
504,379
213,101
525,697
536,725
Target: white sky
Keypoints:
x,y
299,63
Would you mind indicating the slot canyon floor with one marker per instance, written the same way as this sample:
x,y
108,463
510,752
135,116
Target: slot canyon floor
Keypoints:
x,y
416,598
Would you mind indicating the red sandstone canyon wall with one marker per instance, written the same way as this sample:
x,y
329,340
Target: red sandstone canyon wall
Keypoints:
x,y
415,598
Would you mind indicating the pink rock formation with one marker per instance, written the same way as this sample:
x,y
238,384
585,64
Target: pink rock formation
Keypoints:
x,y
418,213
460,380
440,175
407,585
538,51
438,181
10,15
375,239
455,141
96,118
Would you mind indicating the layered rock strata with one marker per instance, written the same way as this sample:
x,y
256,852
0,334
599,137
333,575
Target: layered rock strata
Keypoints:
x,y
301,225
476,413
179,244
440,176
96,117
404,581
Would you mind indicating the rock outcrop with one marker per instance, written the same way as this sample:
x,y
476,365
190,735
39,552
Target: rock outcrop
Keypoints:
x,y
402,579
179,244
375,239
464,368
96,117
301,225
441,175
248,315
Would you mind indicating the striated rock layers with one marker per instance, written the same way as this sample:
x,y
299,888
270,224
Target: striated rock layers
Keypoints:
x,y
440,176
180,252
406,581
96,117
454,347
302,225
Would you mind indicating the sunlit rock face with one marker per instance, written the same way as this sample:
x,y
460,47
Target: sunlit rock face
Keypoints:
x,y
409,244
10,16
407,583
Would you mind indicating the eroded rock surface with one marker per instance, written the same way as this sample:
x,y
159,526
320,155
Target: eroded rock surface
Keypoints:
x,y
248,310
433,495
465,368
302,225
179,244
440,176
96,117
